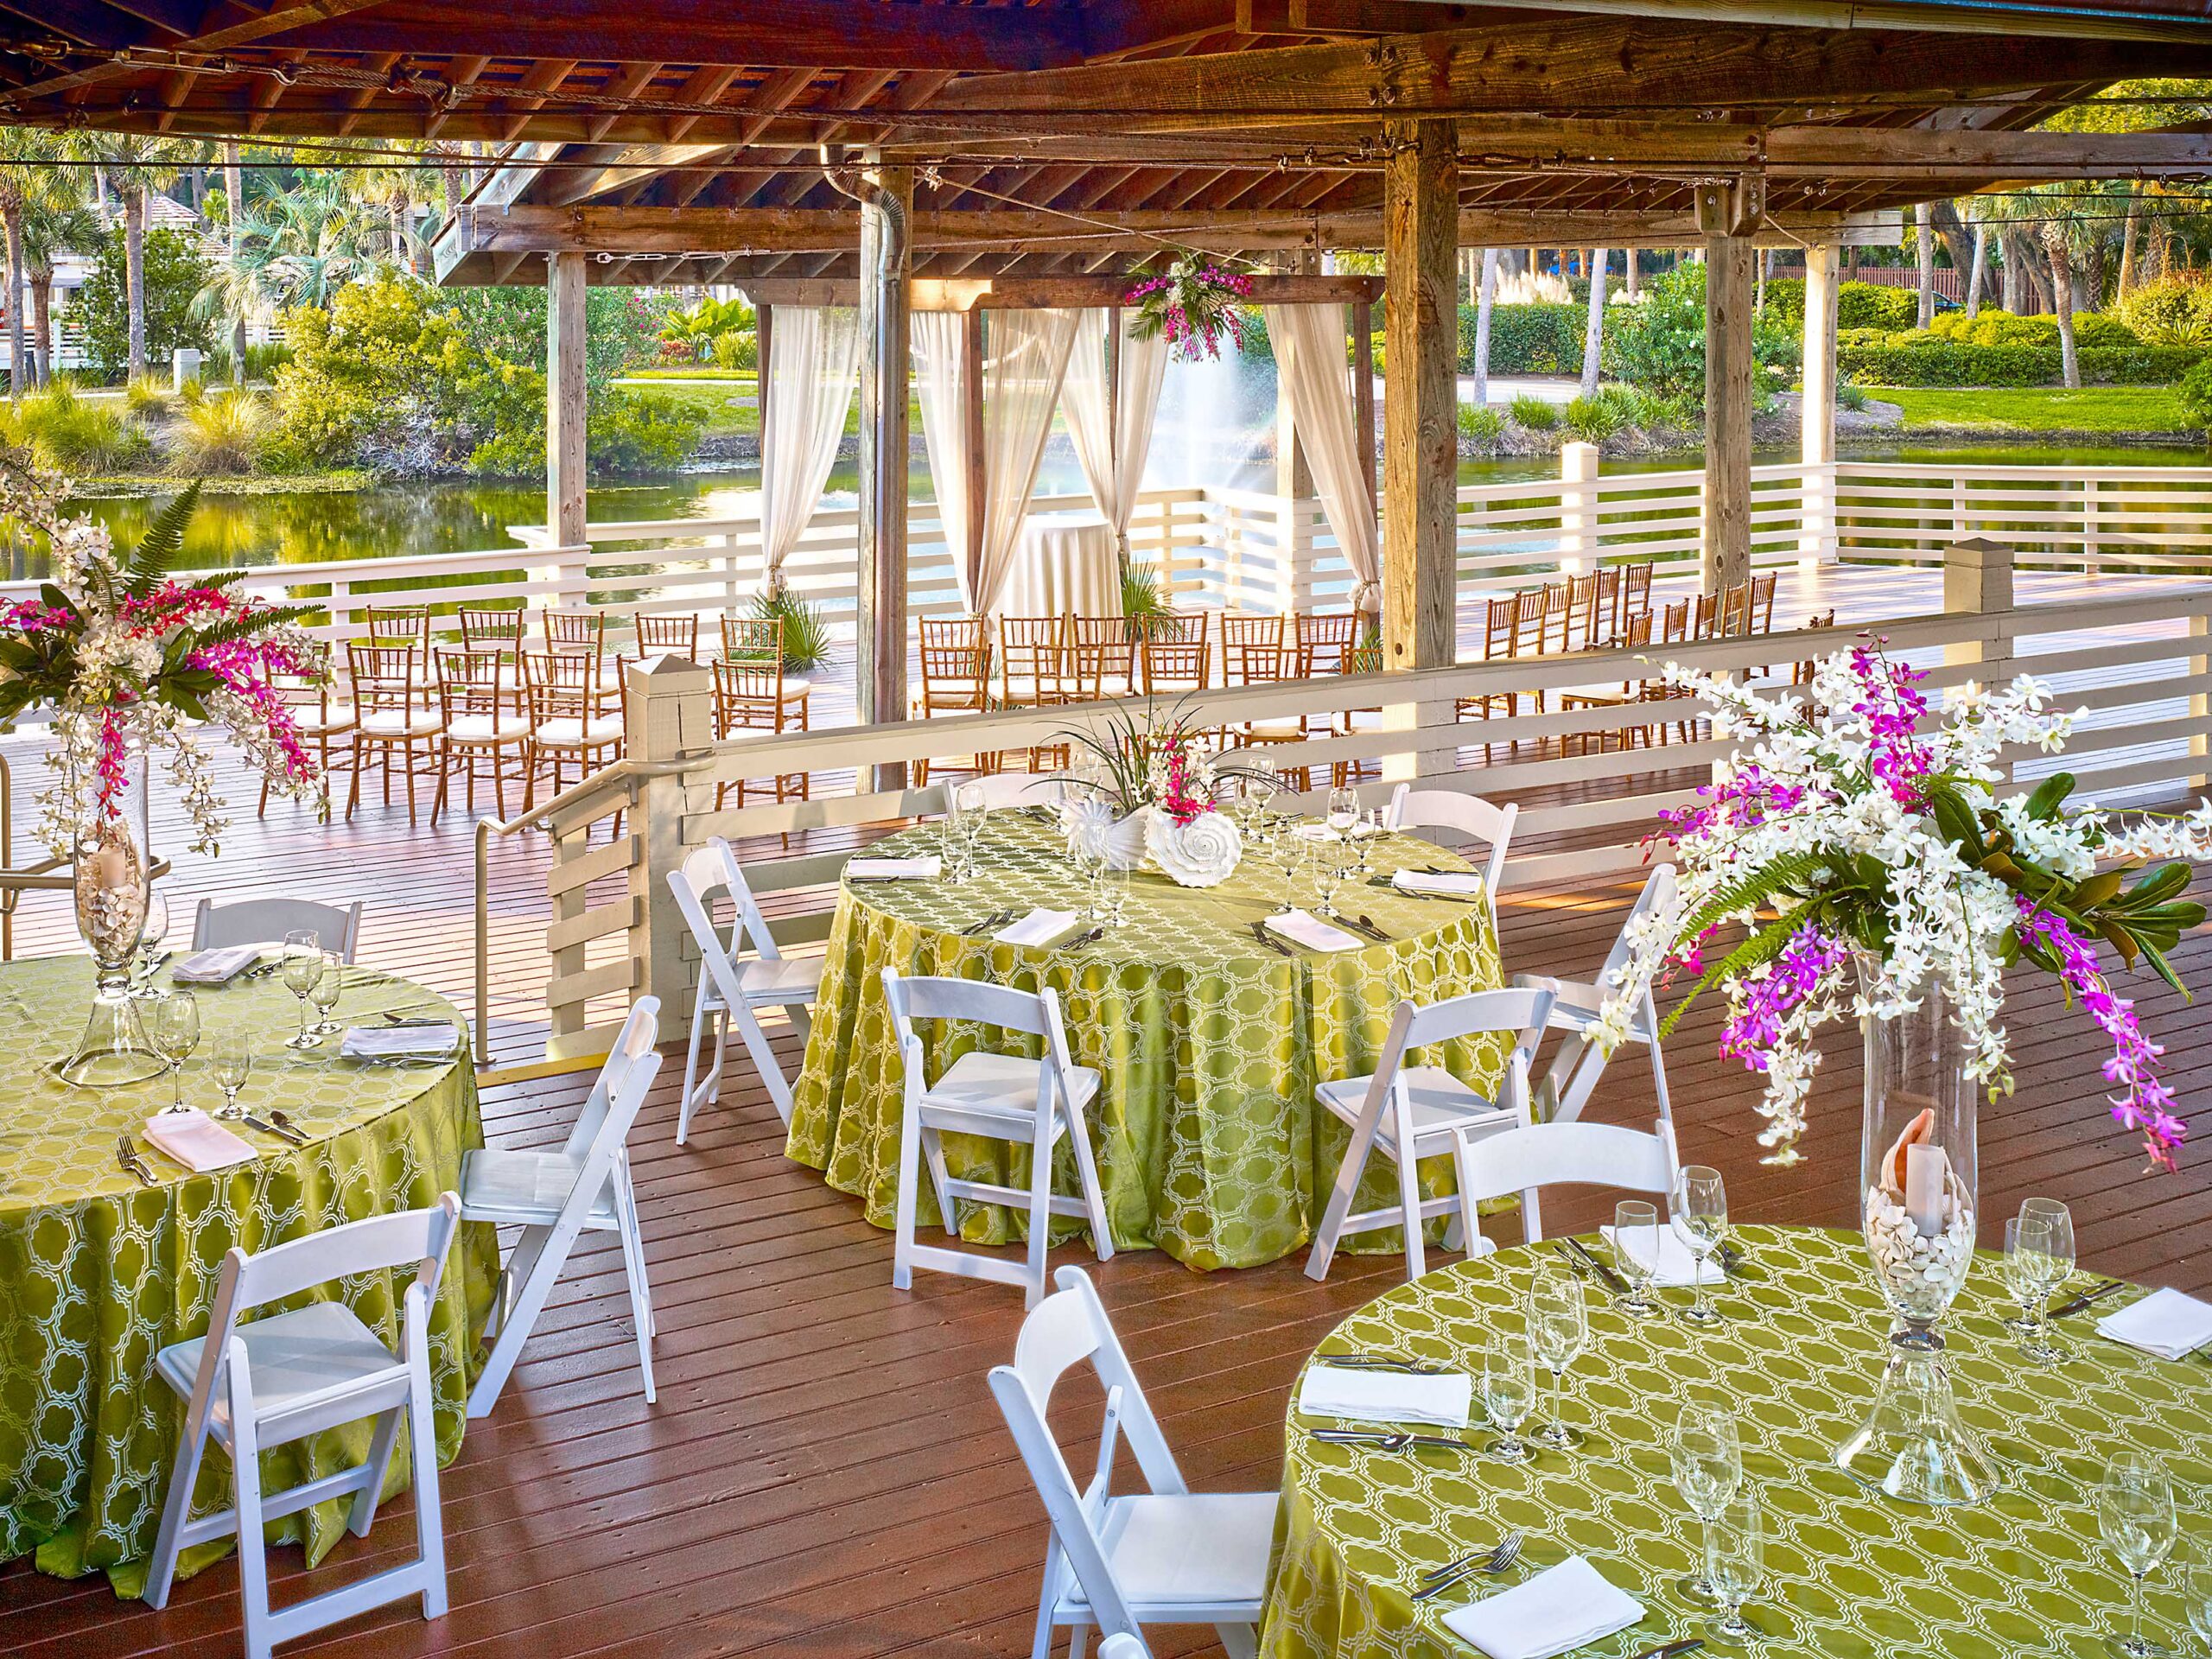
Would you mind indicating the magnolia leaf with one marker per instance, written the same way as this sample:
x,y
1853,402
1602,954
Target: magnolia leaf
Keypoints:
x,y
2120,940
2096,890
2050,795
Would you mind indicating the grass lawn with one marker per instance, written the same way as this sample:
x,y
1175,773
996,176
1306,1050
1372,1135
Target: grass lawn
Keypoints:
x,y
727,411
2039,409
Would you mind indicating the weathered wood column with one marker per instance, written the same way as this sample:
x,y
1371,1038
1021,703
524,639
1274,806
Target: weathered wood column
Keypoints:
x,y
1420,458
1725,214
1816,538
886,202
564,398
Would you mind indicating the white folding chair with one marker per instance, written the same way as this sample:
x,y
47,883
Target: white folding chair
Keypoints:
x,y
1558,1155
1569,1082
1001,791
555,1196
1123,1646
251,1385
999,1096
1168,1556
732,992
258,921
1470,817
1410,1112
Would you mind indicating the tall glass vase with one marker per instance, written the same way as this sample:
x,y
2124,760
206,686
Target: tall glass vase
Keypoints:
x,y
112,874
1919,1172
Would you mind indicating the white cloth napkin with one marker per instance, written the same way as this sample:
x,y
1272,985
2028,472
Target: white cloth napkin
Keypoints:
x,y
398,1042
216,967
1312,931
1038,927
925,868
1364,1396
1562,1608
1675,1268
1469,886
197,1140
2166,1323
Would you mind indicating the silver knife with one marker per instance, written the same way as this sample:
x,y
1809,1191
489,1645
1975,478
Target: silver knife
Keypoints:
x,y
1612,1280
2087,1298
279,1130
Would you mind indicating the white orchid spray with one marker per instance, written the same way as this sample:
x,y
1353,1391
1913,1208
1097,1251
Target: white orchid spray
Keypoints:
x,y
1851,824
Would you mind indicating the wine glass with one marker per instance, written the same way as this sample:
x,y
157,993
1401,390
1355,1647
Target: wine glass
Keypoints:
x,y
325,993
1288,848
1113,886
2196,1597
1366,835
1708,1460
1735,1561
303,966
1331,863
176,1033
151,934
2038,1257
1508,1391
1636,1253
1700,1215
2135,1516
233,1062
1343,811
1559,1330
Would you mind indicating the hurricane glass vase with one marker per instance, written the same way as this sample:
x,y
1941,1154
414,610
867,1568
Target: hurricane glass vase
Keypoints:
x,y
1918,1182
111,877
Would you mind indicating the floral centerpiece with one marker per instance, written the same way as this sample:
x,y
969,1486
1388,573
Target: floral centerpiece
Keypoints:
x,y
1147,788
1194,302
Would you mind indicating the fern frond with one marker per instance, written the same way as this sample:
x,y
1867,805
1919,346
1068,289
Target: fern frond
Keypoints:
x,y
1756,887
1760,947
158,550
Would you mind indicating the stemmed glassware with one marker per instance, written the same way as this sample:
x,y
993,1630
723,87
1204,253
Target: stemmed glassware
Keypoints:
x,y
1332,858
1366,835
1708,1460
1700,1215
1288,848
302,967
329,984
2196,1597
1343,812
2039,1259
1735,1561
176,1033
150,934
1636,1254
1509,1392
232,1063
2135,1516
1559,1330
969,811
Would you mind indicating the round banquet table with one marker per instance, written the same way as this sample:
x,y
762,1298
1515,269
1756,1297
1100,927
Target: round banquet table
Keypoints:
x,y
1210,1146
1849,1575
98,1273
1065,563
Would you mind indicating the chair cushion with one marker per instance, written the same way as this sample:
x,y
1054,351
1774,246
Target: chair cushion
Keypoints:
x,y
1170,1549
393,723
1001,1088
1441,1104
571,733
312,1355
484,729
525,1188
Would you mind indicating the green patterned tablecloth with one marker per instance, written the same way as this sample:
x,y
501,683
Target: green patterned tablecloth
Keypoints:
x,y
1849,1575
1210,1146
97,1274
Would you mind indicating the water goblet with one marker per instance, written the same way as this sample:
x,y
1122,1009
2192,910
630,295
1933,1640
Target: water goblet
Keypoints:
x,y
1288,848
154,930
324,994
1700,1215
232,1063
1735,1562
1366,835
1343,811
2033,1269
302,967
1115,885
1509,1392
1707,1458
176,1033
1635,1255
2197,1598
2136,1518
1329,864
1559,1330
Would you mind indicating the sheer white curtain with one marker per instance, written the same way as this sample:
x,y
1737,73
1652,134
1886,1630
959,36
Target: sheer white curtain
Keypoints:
x,y
1309,342
1026,362
813,366
1112,460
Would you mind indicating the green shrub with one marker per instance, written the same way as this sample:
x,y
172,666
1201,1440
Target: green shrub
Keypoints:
x,y
1928,359
1850,396
224,433
175,272
1526,338
1871,305
146,394
631,431
261,361
1532,414
1785,300
73,433
1480,423
2175,310
1996,327
736,350
2197,396
1659,346
1594,420
806,636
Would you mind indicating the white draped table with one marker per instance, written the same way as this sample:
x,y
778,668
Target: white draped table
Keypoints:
x,y
1066,563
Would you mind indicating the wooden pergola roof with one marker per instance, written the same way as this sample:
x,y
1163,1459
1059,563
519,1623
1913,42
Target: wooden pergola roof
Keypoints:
x,y
685,139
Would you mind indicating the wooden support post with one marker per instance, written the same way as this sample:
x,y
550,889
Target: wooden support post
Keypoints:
x,y
1726,556
1978,581
1420,457
764,335
887,199
564,398
1816,540
1363,391
971,382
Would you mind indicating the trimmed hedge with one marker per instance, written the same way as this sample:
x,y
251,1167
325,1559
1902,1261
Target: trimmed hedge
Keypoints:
x,y
1858,305
1527,338
1874,359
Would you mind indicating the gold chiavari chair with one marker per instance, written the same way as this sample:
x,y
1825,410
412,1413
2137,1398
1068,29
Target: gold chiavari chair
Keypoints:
x,y
1498,645
479,723
317,716
749,697
1611,620
392,719
1257,651
1675,623
1365,658
1559,602
1326,641
567,724
1635,588
1802,673
1634,691
1707,622
660,633
956,662
408,625
760,640
1579,629
1101,657
1736,612
1032,663
1176,653
499,631
574,633
1762,603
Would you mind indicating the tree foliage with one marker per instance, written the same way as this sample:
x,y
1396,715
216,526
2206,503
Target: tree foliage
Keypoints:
x,y
175,272
1658,346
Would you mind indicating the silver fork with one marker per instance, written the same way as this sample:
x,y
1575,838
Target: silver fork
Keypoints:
x,y
127,1157
1443,1578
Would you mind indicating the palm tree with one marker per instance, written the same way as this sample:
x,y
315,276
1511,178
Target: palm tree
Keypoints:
x,y
21,150
393,191
136,165
55,220
233,214
294,247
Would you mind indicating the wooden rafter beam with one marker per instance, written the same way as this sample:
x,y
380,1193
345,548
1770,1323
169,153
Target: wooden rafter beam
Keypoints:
x,y
2071,22
218,27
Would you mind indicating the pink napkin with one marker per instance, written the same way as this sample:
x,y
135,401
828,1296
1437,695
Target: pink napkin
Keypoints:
x,y
197,1140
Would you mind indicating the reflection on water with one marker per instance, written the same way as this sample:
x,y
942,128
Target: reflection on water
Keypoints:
x,y
422,519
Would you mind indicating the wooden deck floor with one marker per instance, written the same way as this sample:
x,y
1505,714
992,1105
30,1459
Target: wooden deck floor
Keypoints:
x,y
825,1473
